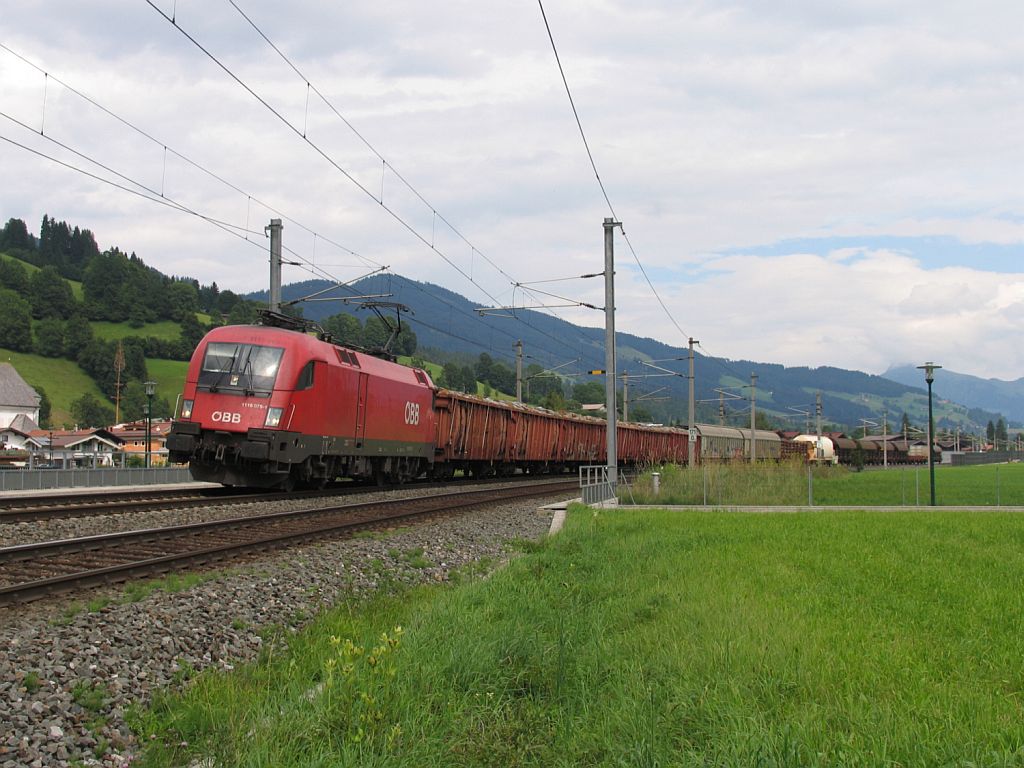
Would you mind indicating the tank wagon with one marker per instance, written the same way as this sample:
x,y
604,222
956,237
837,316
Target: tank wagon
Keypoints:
x,y
274,407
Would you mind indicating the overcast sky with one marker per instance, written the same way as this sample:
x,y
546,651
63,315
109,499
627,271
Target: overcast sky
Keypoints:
x,y
805,183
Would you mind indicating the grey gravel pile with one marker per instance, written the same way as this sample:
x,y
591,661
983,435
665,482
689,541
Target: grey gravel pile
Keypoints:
x,y
66,678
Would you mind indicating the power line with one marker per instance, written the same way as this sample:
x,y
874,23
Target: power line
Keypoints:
x,y
597,175
379,200
162,198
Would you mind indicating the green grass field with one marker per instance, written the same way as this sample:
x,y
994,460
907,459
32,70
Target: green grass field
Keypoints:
x,y
169,376
62,379
65,382
165,329
787,484
653,638
31,269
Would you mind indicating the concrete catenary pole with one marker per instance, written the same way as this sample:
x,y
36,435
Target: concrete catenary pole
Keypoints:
x,y
274,229
690,451
609,348
753,414
519,371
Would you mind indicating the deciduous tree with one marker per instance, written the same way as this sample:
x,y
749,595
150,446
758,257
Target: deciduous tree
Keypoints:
x,y
15,322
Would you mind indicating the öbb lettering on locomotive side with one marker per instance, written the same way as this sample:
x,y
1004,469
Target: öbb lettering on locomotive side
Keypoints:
x,y
267,406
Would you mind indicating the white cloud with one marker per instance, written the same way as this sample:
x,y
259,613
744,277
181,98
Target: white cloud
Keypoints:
x,y
716,126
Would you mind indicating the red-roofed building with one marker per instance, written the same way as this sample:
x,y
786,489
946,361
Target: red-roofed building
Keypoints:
x,y
133,440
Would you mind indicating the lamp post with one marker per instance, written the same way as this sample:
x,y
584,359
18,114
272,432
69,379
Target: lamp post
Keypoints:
x,y
929,376
150,391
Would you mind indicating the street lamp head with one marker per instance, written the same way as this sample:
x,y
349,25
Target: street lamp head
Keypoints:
x,y
929,371
150,388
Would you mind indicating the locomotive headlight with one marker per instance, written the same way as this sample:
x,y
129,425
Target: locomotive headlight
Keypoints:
x,y
186,408
274,417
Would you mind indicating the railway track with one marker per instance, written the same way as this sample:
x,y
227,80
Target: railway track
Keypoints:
x,y
32,571
32,508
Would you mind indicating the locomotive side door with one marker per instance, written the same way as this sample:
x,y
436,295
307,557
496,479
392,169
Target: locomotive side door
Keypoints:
x,y
361,395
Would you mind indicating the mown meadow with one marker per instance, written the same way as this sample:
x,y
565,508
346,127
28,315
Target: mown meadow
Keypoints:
x,y
735,484
651,638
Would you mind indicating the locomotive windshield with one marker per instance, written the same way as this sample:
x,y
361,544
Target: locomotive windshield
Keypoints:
x,y
243,368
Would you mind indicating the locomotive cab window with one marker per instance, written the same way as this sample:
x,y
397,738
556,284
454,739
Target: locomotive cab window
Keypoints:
x,y
305,377
244,369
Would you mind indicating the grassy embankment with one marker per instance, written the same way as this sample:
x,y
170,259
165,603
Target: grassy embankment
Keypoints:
x,y
62,379
65,382
653,638
778,484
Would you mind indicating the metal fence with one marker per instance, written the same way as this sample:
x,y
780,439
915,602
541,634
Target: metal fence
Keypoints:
x,y
594,485
717,485
39,479
983,457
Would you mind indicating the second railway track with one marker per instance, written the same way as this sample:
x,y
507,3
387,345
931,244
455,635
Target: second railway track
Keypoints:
x,y
32,571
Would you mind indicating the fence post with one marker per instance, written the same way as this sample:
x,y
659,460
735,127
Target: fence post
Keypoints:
x,y
917,486
810,486
997,487
656,482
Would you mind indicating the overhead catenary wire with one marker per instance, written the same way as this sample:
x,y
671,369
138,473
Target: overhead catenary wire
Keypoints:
x,y
146,192
230,229
604,191
366,142
320,151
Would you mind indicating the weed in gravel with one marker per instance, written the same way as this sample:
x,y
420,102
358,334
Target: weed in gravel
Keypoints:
x,y
90,696
32,682
97,604
139,590
414,557
101,747
184,671
238,625
68,615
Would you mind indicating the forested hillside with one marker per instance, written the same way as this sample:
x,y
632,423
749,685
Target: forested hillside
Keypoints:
x,y
105,312
86,327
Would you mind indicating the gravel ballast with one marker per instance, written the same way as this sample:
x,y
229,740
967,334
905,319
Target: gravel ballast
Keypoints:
x,y
67,677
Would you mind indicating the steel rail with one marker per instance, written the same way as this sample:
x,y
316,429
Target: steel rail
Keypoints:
x,y
204,542
33,508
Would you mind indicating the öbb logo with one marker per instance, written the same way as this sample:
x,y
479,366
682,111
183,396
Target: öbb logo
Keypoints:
x,y
226,417
412,413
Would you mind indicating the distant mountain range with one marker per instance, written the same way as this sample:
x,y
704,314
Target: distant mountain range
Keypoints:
x,y
1007,397
445,321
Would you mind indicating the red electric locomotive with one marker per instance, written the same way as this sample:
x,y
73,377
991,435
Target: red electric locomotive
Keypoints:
x,y
271,407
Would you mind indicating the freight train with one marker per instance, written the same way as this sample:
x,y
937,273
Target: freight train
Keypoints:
x,y
276,407
272,406
836,448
